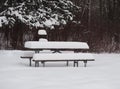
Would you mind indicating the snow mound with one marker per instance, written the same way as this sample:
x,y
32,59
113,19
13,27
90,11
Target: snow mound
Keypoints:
x,y
42,32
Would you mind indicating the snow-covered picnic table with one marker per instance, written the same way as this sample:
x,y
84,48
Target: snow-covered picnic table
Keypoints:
x,y
57,46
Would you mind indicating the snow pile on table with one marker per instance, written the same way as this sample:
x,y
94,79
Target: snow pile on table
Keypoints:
x,y
56,45
42,32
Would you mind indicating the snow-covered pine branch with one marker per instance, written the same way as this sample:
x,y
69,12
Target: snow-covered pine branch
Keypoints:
x,y
38,13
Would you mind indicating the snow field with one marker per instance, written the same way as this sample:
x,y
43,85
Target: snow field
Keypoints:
x,y
15,73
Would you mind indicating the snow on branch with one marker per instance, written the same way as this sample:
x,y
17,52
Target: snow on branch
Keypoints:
x,y
45,13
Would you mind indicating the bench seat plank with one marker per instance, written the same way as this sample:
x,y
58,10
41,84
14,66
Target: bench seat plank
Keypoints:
x,y
61,56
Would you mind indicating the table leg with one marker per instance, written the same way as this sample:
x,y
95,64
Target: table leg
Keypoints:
x,y
67,64
36,63
85,63
30,61
75,63
57,51
43,62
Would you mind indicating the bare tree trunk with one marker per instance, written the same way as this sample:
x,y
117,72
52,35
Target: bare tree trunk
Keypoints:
x,y
89,14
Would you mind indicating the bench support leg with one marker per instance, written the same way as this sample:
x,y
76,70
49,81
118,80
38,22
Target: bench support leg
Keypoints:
x,y
75,63
36,63
56,51
67,64
36,51
85,63
30,61
43,62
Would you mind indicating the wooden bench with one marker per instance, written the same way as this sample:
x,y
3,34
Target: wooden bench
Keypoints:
x,y
28,57
57,57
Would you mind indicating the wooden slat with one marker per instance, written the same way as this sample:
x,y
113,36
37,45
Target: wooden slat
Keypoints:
x,y
56,45
63,56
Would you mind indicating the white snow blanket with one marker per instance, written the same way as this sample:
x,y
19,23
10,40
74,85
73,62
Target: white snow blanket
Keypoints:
x,y
56,45
16,73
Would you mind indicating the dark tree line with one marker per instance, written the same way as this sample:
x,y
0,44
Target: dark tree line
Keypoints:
x,y
101,18
99,26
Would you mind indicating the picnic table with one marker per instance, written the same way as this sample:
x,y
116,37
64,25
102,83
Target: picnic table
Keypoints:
x,y
57,46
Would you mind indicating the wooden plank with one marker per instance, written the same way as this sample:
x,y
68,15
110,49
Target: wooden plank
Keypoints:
x,y
63,56
55,45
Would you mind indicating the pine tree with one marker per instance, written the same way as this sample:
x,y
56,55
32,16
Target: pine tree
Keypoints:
x,y
21,16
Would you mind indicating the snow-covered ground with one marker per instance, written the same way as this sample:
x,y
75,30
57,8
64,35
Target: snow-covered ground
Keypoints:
x,y
15,73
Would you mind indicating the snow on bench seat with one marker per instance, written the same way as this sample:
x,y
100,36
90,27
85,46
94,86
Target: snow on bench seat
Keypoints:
x,y
29,55
63,56
75,57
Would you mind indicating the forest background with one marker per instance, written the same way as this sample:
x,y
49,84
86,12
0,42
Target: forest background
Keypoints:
x,y
96,22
